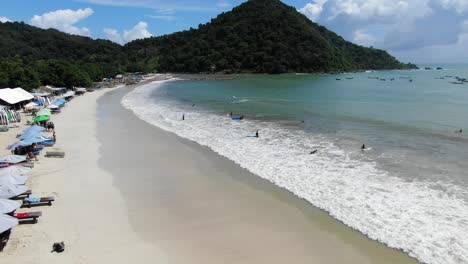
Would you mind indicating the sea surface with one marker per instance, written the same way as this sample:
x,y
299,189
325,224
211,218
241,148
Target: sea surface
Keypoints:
x,y
408,189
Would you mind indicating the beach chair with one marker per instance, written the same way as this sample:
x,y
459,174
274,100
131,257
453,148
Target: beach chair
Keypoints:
x,y
4,237
55,154
28,216
26,194
28,202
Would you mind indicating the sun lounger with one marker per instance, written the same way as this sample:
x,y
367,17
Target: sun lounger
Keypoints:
x,y
27,164
26,194
28,216
55,154
28,202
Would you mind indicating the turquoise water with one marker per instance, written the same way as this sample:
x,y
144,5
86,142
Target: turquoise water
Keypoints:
x,y
408,190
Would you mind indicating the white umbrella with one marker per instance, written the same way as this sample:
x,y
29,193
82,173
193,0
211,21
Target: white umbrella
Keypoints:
x,y
14,170
7,222
31,106
52,106
8,206
9,191
12,159
13,180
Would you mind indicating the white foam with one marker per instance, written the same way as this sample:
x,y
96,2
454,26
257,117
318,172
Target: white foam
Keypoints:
x,y
425,220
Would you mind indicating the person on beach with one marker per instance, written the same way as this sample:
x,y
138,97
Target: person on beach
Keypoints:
x,y
256,134
55,137
363,147
183,117
31,154
230,113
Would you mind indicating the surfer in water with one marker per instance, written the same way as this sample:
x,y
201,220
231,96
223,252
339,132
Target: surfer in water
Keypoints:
x,y
183,117
363,147
459,131
256,134
313,151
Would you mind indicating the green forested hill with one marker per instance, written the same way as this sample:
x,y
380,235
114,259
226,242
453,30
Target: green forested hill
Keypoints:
x,y
263,36
30,57
260,36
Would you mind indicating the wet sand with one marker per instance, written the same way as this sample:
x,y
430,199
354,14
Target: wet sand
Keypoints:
x,y
199,207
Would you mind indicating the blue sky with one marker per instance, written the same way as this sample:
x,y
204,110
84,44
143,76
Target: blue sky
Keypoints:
x,y
413,30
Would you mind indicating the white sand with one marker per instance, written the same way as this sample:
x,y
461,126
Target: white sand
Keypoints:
x,y
89,214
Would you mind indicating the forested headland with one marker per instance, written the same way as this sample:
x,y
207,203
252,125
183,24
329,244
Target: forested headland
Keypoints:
x,y
259,36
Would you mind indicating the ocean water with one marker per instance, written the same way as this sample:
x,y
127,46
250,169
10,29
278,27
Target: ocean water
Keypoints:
x,y
409,189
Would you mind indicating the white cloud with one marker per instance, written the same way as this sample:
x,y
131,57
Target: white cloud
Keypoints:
x,y
113,35
313,10
395,25
64,20
164,17
4,19
139,31
223,4
363,38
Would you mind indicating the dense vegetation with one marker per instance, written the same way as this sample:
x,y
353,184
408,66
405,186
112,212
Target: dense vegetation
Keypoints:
x,y
260,36
30,57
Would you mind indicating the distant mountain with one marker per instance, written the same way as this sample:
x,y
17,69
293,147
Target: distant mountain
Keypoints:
x,y
260,36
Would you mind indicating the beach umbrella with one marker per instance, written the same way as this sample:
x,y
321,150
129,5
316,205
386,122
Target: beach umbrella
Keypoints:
x,y
15,170
41,118
9,191
31,105
13,180
34,128
52,106
12,159
44,112
25,142
7,222
8,206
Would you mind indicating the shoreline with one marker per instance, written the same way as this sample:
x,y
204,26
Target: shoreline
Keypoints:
x,y
127,186
359,246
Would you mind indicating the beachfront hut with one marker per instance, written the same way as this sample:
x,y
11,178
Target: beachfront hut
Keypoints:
x,y
8,206
13,180
10,191
13,97
26,95
15,170
7,222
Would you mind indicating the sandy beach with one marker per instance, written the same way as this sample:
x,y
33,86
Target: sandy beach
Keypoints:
x,y
129,192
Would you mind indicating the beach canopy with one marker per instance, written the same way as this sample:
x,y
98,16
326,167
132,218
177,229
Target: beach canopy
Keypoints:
x,y
44,112
41,118
52,106
13,180
34,128
60,102
8,206
12,159
25,142
7,222
14,170
31,105
10,191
